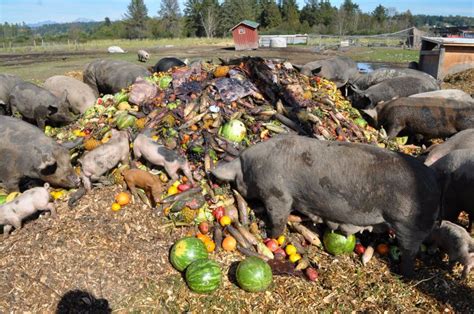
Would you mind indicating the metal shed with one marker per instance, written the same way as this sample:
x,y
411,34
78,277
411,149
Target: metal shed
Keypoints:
x,y
442,56
245,35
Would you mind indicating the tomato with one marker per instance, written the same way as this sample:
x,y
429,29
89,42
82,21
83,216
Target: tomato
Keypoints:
x,y
218,212
359,249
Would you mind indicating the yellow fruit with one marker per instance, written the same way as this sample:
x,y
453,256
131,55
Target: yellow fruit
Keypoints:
x,y
210,245
173,190
155,137
12,196
78,133
123,198
91,143
281,239
163,177
295,257
290,249
225,221
57,194
140,123
116,207
176,183
221,71
117,176
188,214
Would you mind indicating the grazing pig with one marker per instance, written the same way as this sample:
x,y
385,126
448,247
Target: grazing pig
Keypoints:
x,y
110,76
455,94
461,140
345,185
456,174
338,69
366,80
430,117
151,184
7,82
143,56
104,158
28,203
389,89
39,105
165,64
161,156
27,153
456,242
80,96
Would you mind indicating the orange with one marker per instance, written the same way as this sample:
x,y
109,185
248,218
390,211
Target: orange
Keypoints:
x,y
210,245
382,249
123,198
204,238
229,243
225,221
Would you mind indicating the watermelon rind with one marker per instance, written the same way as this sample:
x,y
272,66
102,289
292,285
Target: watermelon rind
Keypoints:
x,y
254,274
203,276
185,251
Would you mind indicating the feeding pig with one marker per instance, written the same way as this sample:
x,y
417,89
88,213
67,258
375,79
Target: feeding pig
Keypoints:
x,y
27,153
151,184
80,96
338,69
104,158
430,117
456,173
389,89
456,242
455,94
39,105
366,80
161,156
348,186
28,203
7,82
461,140
143,56
110,76
164,64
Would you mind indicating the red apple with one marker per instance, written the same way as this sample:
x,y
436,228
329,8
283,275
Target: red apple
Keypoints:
x,y
272,244
359,249
280,253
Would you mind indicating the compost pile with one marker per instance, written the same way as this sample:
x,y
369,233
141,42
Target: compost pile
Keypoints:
x,y
209,113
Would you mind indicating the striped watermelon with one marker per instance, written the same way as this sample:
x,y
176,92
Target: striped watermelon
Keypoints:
x,y
203,276
185,251
254,274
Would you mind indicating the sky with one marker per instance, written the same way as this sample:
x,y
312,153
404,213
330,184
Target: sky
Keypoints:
x,y
31,11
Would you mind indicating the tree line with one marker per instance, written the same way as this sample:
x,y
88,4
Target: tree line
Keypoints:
x,y
212,18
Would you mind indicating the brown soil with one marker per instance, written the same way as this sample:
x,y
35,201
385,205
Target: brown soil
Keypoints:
x,y
462,80
122,257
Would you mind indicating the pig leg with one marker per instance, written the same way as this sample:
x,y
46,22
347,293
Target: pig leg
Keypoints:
x,y
133,190
6,231
87,182
136,152
12,185
52,210
278,209
187,172
171,171
410,241
126,159
468,263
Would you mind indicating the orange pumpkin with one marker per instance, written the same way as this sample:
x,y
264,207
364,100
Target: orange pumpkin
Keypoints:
x,y
123,198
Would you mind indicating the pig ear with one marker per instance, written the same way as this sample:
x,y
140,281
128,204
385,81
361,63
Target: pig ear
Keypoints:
x,y
64,96
227,171
297,66
371,113
48,165
52,109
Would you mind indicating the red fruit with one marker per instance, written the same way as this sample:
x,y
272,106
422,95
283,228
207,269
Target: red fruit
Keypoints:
x,y
272,244
359,249
311,274
183,187
204,227
280,253
99,101
218,212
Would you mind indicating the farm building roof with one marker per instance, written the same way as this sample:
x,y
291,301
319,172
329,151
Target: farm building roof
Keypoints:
x,y
450,41
251,24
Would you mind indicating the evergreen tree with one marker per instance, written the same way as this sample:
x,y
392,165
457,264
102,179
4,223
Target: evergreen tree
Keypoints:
x,y
235,11
380,13
290,14
202,17
310,12
170,16
270,16
135,19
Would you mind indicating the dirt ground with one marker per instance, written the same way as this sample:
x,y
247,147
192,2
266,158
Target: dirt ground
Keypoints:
x,y
462,80
99,259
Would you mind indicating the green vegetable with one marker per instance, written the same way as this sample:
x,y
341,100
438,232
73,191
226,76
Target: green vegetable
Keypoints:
x,y
234,131
120,97
360,122
336,243
172,105
165,81
395,253
3,199
203,276
124,121
185,251
254,274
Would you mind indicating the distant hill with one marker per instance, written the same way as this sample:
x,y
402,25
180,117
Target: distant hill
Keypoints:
x,y
49,22
39,24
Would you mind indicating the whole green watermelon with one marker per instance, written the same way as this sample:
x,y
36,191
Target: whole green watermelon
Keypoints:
x,y
203,276
185,251
336,243
254,274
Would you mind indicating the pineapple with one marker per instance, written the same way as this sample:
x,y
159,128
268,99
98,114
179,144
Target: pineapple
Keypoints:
x,y
91,143
188,214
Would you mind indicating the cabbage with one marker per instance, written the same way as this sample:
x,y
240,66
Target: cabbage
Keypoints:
x,y
234,131
120,97
165,81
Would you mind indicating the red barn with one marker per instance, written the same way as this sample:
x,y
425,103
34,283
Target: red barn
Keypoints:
x,y
245,35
